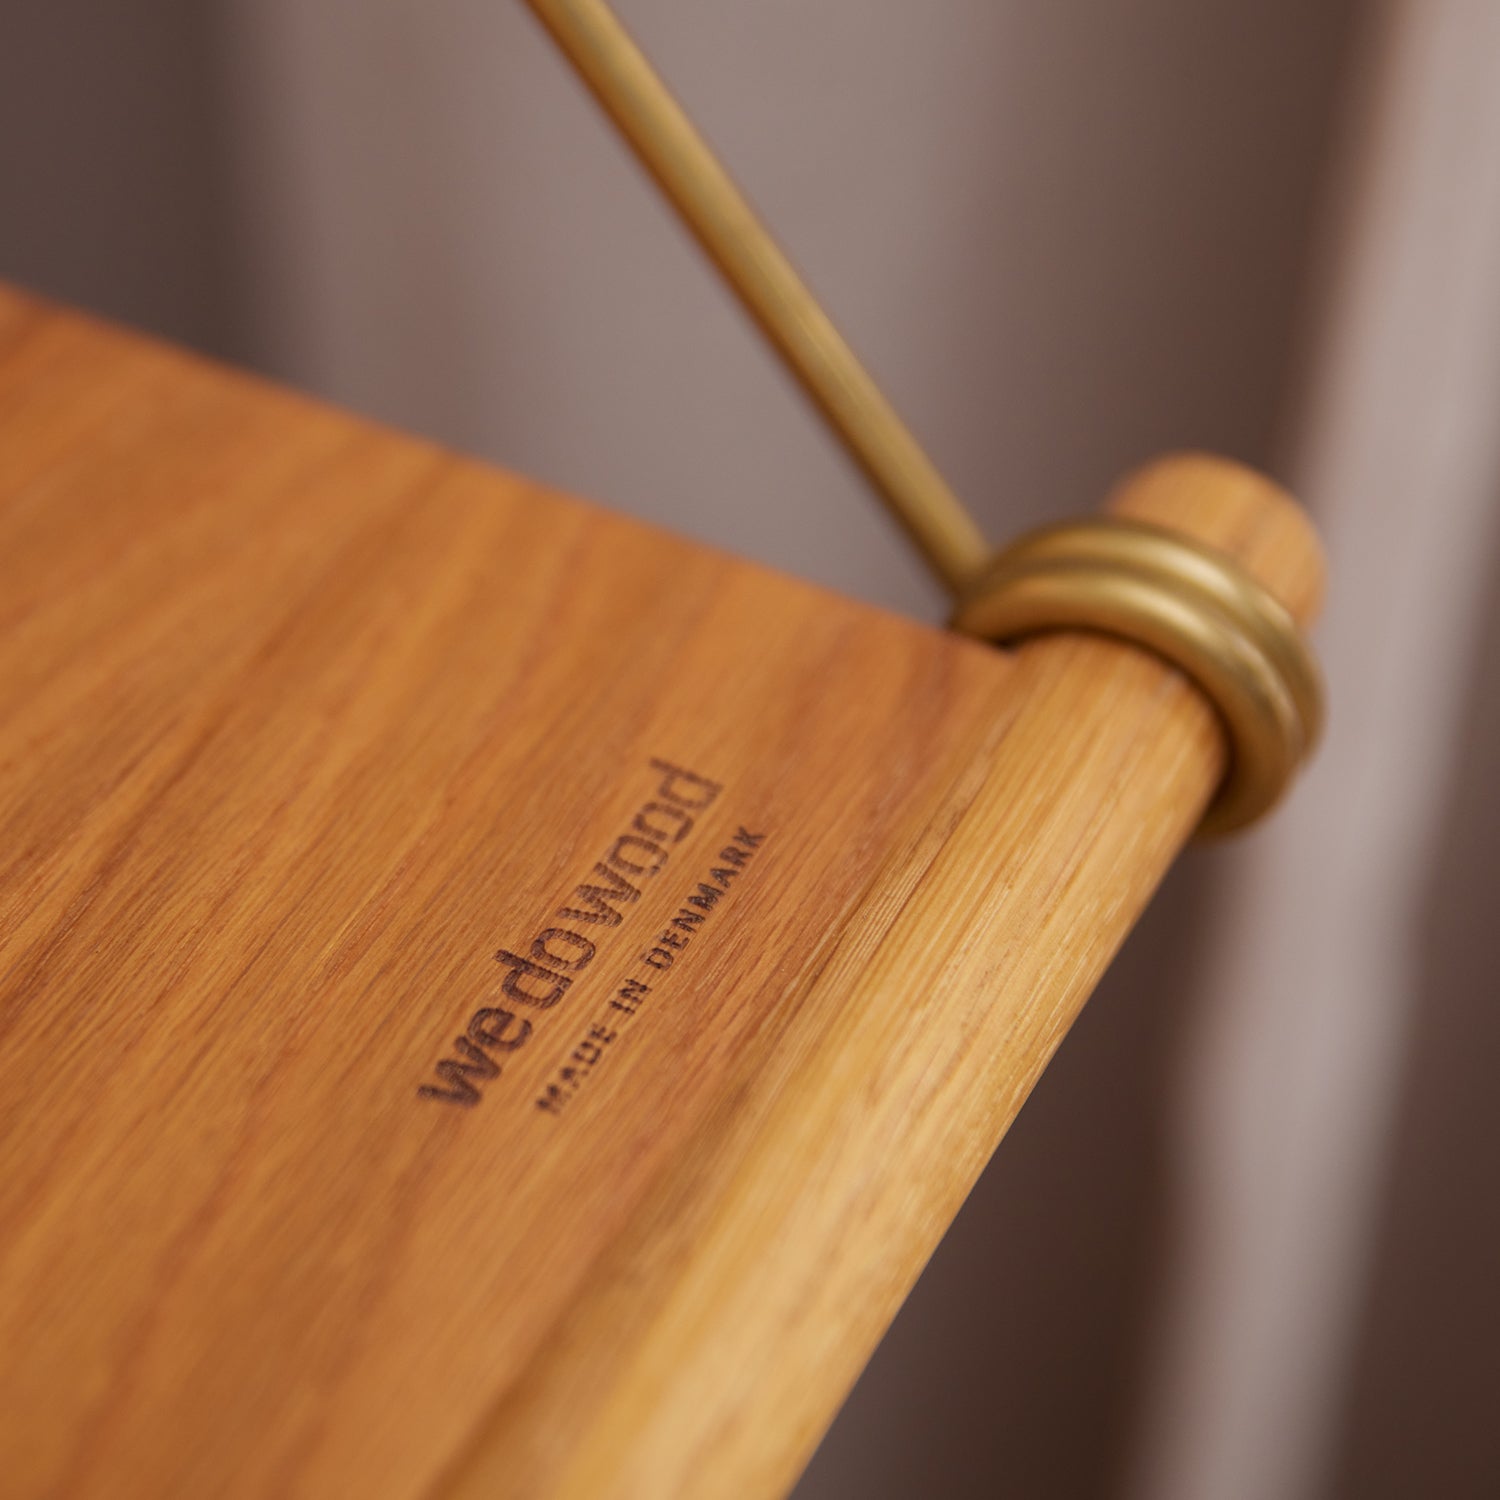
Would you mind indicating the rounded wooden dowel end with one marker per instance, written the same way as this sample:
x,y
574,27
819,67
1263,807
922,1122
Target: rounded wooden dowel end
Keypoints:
x,y
1236,510
1239,511
1210,567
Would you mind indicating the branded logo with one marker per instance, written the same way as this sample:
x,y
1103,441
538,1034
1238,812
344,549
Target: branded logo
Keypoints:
x,y
541,974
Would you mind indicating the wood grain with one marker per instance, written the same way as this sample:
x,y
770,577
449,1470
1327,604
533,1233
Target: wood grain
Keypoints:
x,y
304,724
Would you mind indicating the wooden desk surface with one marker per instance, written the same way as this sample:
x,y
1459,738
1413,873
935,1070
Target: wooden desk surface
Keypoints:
x,y
494,999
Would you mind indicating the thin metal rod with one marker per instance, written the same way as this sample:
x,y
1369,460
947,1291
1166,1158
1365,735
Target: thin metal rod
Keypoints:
x,y
738,243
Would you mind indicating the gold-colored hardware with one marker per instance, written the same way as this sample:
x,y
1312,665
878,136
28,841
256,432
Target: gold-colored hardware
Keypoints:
x,y
1194,607
760,274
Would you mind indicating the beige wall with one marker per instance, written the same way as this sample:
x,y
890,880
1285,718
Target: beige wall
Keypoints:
x,y
1066,235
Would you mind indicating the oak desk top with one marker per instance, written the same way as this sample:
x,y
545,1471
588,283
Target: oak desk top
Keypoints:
x,y
494,998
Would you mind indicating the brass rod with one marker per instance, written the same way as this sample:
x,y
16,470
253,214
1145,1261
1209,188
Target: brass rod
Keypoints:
x,y
664,139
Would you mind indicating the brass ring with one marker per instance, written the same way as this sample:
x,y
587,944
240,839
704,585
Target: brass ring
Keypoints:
x,y
1196,608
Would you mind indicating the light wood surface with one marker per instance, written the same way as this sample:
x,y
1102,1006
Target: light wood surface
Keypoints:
x,y
304,724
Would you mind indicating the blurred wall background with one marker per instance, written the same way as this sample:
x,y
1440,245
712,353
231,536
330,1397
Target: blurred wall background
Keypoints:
x,y
1242,1241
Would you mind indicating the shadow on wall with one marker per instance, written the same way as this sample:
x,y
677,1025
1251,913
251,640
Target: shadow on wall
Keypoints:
x,y
1425,1370
112,177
